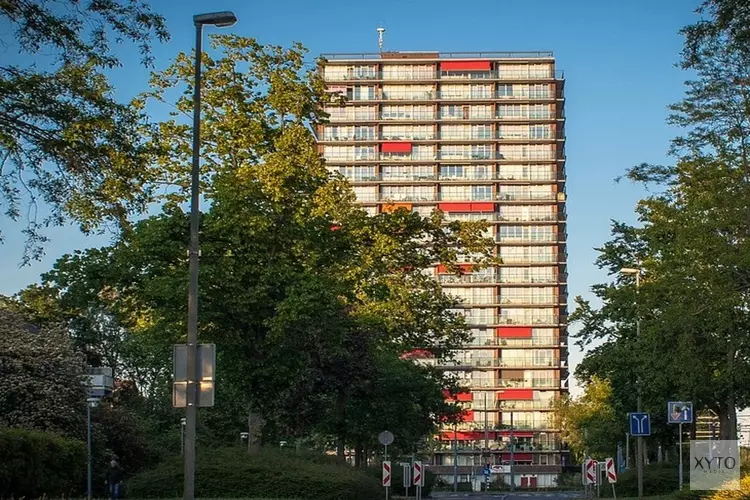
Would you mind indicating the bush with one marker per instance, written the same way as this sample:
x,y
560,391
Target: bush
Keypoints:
x,y
35,463
232,473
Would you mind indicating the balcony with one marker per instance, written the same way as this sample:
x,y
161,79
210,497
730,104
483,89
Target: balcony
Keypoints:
x,y
525,196
502,320
467,278
465,96
343,157
525,95
413,116
545,341
513,384
467,136
525,405
549,115
497,363
406,96
413,137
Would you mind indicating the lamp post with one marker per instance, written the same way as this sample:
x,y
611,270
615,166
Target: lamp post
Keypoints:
x,y
182,435
639,439
455,457
219,19
90,403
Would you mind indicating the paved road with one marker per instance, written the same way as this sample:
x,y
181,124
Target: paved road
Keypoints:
x,y
547,495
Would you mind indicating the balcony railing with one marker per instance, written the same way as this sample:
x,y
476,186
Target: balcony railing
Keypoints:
x,y
525,196
498,363
524,95
467,278
502,342
550,115
525,405
513,384
502,320
394,95
413,116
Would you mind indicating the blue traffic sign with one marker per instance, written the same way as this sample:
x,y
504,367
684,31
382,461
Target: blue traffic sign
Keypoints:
x,y
487,470
640,424
680,412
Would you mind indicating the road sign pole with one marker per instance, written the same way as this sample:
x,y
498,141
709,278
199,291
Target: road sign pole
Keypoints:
x,y
680,444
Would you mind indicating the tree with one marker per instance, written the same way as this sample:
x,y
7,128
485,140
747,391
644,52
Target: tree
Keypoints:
x,y
591,426
308,299
41,378
692,245
64,139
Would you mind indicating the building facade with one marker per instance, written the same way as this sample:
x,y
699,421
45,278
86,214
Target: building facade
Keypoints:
x,y
479,136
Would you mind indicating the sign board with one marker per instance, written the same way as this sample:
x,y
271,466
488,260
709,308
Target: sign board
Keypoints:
x,y
385,438
610,467
206,360
407,474
680,412
205,394
640,424
417,474
387,473
487,470
590,467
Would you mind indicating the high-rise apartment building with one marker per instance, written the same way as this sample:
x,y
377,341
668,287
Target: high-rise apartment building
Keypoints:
x,y
479,136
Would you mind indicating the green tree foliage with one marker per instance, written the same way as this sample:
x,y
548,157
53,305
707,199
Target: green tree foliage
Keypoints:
x,y
691,244
35,464
310,301
64,140
41,378
591,425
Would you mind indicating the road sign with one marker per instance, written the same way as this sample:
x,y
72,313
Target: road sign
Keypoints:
x,y
680,412
417,474
387,473
611,473
487,470
640,424
590,466
385,438
206,365
407,474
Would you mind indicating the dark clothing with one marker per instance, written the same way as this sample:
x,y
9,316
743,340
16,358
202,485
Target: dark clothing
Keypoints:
x,y
114,474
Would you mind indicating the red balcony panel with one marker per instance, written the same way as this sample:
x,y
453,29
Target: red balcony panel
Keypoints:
x,y
441,269
461,436
461,396
525,394
465,268
468,416
513,332
465,66
467,207
455,207
417,354
396,147
464,396
482,207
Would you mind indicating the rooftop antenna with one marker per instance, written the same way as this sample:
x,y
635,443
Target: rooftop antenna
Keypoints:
x,y
381,30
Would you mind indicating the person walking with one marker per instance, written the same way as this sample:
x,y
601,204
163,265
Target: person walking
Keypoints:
x,y
114,478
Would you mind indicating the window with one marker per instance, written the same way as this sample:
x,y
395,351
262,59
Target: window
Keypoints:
x,y
478,295
361,93
511,193
409,132
364,133
526,172
408,193
398,112
527,274
465,193
408,72
366,193
526,233
526,151
408,92
349,73
527,213
344,113
424,211
511,255
407,172
357,173
534,295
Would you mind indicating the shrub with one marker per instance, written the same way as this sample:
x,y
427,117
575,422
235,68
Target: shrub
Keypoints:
x,y
232,473
36,463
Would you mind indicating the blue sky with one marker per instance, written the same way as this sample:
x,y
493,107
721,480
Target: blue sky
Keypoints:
x,y
618,57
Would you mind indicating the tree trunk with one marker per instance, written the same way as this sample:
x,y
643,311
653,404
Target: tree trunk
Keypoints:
x,y
254,428
341,412
728,424
358,453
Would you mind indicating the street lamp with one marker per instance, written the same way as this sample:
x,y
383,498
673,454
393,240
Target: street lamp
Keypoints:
x,y
218,19
631,271
90,403
183,421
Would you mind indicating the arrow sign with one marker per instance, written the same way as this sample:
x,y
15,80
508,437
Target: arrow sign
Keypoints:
x,y
680,412
417,474
611,473
640,424
590,466
387,473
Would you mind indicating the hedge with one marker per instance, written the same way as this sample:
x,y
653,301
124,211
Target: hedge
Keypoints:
x,y
35,463
232,473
